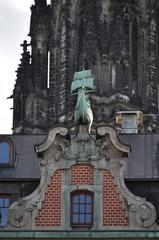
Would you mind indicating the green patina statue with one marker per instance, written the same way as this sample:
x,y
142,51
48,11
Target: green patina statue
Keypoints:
x,y
82,84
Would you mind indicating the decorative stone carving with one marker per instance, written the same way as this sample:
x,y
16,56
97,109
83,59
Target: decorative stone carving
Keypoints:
x,y
106,5
86,148
62,150
19,216
145,215
51,138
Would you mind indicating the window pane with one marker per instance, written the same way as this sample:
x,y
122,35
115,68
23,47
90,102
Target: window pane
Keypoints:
x,y
88,218
82,218
1,202
4,216
4,152
75,208
88,208
88,199
82,208
75,199
6,202
75,218
82,198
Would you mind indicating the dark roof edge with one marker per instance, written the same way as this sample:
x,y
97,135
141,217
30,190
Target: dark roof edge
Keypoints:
x,y
19,180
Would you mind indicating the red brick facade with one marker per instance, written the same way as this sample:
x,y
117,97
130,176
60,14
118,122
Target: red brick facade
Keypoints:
x,y
113,213
82,174
50,213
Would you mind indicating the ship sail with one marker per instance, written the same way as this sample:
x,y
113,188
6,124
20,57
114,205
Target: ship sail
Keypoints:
x,y
82,79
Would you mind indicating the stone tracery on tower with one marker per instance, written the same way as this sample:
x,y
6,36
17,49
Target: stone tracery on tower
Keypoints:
x,y
117,40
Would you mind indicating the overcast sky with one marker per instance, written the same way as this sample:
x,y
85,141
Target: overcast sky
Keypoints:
x,y
14,27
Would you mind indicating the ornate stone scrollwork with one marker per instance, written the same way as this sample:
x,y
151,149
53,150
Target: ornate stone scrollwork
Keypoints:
x,y
59,152
19,216
142,214
109,131
145,215
51,138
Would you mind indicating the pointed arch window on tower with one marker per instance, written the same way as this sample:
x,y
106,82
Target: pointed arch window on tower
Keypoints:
x,y
48,70
127,30
113,76
135,55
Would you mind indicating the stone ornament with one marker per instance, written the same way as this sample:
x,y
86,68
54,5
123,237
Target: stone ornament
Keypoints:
x,y
106,5
63,149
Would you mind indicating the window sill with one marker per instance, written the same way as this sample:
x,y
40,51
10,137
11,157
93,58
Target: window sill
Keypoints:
x,y
6,165
81,227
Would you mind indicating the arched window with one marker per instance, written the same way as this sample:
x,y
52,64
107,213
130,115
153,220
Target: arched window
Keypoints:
x,y
6,151
82,206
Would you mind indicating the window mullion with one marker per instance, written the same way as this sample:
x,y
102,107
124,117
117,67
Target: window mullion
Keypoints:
x,y
78,210
85,210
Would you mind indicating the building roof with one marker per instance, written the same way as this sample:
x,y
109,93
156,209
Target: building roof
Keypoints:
x,y
143,162
26,165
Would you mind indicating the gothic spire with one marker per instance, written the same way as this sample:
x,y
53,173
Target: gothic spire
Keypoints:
x,y
25,55
40,3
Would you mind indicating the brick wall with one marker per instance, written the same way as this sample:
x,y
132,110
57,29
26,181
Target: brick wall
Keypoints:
x,y
82,174
113,213
50,213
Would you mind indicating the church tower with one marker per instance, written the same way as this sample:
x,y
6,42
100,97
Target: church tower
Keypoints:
x,y
31,93
116,39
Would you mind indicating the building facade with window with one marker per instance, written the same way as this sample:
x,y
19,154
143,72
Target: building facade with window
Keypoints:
x,y
56,180
82,188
